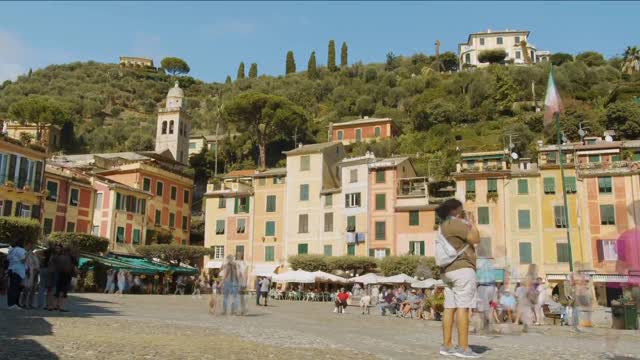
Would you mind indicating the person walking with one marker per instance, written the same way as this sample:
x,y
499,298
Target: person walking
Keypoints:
x,y
197,283
264,286
45,281
31,281
122,281
17,259
459,231
542,300
527,297
65,268
230,274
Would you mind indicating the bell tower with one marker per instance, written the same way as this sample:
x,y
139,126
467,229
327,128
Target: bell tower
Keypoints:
x,y
174,126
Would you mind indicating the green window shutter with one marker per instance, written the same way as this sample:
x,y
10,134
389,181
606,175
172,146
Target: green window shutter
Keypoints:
x,y
523,186
470,186
525,253
605,185
616,157
387,252
158,217
414,218
270,228
381,201
570,184
483,215
48,226
560,219
377,131
136,236
303,249
422,249
271,203
304,192
524,219
328,250
269,253
380,178
636,156
219,227
351,250
328,200
594,159
381,230
118,201
549,185
351,223
562,252
120,234
372,253
146,184
236,204
492,185
607,215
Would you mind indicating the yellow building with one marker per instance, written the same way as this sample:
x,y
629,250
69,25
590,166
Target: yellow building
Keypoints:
x,y
69,203
49,137
267,244
21,179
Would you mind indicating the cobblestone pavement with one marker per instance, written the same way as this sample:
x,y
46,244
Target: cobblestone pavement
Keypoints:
x,y
168,327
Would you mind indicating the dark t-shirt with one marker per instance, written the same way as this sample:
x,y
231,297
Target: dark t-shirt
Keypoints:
x,y
456,231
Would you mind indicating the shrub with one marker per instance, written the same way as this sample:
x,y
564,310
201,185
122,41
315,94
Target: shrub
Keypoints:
x,y
329,263
173,253
420,266
309,262
81,242
492,56
12,227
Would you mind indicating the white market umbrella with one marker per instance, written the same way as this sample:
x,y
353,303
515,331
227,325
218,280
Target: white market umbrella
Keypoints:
x,y
323,276
367,279
398,279
298,276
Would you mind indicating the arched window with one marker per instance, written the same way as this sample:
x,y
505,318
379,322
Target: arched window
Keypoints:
x,y
164,127
171,127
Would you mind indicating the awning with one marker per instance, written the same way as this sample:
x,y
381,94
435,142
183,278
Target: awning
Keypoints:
x,y
156,266
116,264
214,264
264,269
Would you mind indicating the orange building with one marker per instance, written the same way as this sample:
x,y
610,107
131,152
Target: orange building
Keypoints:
x,y
366,129
69,204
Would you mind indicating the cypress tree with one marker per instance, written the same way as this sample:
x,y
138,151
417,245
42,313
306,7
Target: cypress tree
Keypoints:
x,y
344,62
240,71
291,63
331,57
253,71
312,71
228,80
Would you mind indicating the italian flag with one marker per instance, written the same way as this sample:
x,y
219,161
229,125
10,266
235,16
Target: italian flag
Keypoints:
x,y
552,101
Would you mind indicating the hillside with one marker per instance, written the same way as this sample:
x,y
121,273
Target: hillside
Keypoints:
x,y
110,108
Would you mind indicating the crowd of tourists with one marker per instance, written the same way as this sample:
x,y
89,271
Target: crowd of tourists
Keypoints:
x,y
39,280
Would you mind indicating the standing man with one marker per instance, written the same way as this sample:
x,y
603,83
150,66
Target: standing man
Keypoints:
x,y
263,287
17,258
459,231
242,282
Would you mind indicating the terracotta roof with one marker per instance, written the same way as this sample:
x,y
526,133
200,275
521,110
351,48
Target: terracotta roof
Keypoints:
x,y
362,121
271,172
311,148
240,173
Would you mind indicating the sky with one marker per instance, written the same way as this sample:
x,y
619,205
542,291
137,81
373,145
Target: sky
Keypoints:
x,y
214,37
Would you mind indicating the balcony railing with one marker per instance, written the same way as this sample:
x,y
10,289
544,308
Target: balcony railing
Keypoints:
x,y
416,186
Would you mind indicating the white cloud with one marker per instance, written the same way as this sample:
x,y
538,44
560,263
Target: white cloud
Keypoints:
x,y
13,54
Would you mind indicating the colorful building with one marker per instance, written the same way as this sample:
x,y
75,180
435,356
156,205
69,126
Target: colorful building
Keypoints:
x,y
366,129
47,136
269,188
69,204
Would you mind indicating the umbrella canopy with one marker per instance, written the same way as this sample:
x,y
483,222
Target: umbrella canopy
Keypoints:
x,y
427,284
398,279
367,279
323,276
298,276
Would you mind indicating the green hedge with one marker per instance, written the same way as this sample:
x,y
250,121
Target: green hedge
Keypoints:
x,y
12,227
418,266
81,242
330,263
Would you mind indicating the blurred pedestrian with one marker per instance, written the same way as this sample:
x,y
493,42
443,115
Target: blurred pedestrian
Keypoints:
x,y
17,259
65,268
31,280
230,274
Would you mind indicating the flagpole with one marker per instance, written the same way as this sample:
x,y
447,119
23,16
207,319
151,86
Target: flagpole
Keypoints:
x,y
564,189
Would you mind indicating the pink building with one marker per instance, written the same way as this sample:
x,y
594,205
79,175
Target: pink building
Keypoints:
x,y
366,129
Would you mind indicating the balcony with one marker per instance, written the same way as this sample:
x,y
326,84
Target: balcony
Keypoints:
x,y
413,192
226,186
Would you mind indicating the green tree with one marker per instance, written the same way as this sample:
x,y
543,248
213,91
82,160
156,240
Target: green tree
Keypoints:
x,y
631,60
240,74
312,71
39,111
558,59
81,242
624,117
173,253
392,62
449,61
228,80
265,117
365,105
291,63
591,58
344,53
175,66
494,56
505,91
309,263
409,265
11,228
253,71
331,56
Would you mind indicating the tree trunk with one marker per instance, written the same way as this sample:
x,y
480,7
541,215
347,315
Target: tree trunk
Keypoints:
x,y
263,155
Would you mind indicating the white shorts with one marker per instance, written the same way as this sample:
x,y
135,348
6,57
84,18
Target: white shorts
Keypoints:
x,y
460,289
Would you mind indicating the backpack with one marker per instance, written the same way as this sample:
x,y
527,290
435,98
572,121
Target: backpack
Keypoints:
x,y
445,252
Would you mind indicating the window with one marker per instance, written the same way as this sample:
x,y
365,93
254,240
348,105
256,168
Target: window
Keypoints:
x,y
351,249
381,230
269,253
484,248
523,186
304,192
185,223
52,187
158,217
353,175
222,203
594,159
358,135
377,131
467,58
352,200
136,237
328,200
481,41
240,227
192,145
159,188
241,205
174,193
492,185
518,54
607,215
380,178
73,199
48,226
616,157
560,219
328,250
95,231
328,222
99,199
219,227
414,218
562,250
381,200
517,40
305,163
164,127
218,252
416,248
186,196
303,223
172,220
240,252
499,40
483,215
340,135
549,185
146,184
351,223
271,203
278,180
607,250
120,234
380,253
525,253
303,249
605,185
470,186
270,228
171,127
524,219
570,184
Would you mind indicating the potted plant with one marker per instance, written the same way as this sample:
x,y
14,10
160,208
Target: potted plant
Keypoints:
x,y
492,196
10,184
470,196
